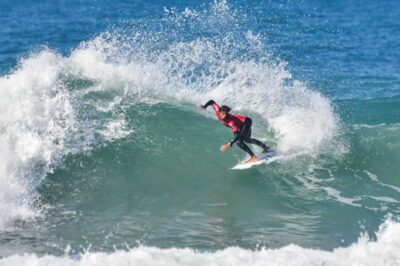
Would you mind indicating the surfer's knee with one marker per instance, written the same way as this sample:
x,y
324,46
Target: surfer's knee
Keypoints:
x,y
240,143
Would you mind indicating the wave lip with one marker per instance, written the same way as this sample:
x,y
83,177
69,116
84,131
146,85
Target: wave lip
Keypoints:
x,y
195,71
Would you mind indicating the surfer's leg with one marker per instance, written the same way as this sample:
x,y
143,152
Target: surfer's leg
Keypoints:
x,y
249,139
244,133
258,143
246,148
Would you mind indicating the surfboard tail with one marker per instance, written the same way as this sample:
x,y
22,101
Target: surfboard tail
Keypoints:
x,y
263,158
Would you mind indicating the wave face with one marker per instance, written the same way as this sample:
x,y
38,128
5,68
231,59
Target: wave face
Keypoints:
x,y
106,157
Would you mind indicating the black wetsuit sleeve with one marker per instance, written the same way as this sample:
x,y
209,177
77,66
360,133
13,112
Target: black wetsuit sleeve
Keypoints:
x,y
234,139
210,102
237,136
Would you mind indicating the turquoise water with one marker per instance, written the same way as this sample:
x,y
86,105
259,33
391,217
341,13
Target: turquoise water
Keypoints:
x,y
106,157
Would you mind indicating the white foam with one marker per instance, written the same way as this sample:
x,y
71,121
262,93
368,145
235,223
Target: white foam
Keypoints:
x,y
385,250
115,129
301,119
372,176
38,126
384,199
375,178
337,195
33,118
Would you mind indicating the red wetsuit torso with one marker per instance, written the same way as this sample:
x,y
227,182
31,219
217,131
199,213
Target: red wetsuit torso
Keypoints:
x,y
232,121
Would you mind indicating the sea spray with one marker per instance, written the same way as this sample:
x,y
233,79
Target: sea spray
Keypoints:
x,y
34,118
195,71
40,123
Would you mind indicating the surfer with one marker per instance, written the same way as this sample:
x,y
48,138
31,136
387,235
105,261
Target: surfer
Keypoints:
x,y
241,127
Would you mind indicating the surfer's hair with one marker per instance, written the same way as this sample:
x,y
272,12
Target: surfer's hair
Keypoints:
x,y
224,109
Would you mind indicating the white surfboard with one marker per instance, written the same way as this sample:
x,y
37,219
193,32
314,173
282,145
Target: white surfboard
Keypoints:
x,y
263,158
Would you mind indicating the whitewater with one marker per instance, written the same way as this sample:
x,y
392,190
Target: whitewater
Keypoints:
x,y
106,158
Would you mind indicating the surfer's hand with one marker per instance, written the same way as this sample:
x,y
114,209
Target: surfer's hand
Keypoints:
x,y
202,106
224,147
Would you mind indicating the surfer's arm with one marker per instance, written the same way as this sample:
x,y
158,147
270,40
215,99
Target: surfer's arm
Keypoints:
x,y
234,139
210,102
237,136
224,147
215,106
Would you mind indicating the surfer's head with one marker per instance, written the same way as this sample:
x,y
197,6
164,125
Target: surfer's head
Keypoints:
x,y
224,110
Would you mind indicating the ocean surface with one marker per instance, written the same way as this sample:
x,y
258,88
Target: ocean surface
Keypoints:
x,y
106,158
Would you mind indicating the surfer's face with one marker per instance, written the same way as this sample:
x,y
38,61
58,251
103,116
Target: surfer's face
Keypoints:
x,y
224,115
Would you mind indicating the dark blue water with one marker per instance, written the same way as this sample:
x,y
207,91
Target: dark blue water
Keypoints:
x,y
339,47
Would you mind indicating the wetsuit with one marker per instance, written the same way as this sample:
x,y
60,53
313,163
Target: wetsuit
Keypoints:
x,y
241,127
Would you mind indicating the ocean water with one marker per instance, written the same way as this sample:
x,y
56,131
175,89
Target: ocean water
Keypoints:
x,y
107,160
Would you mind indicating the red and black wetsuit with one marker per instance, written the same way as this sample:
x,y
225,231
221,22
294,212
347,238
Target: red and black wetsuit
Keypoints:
x,y
241,127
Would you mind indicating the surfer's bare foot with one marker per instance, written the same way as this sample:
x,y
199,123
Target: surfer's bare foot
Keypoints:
x,y
267,149
252,159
